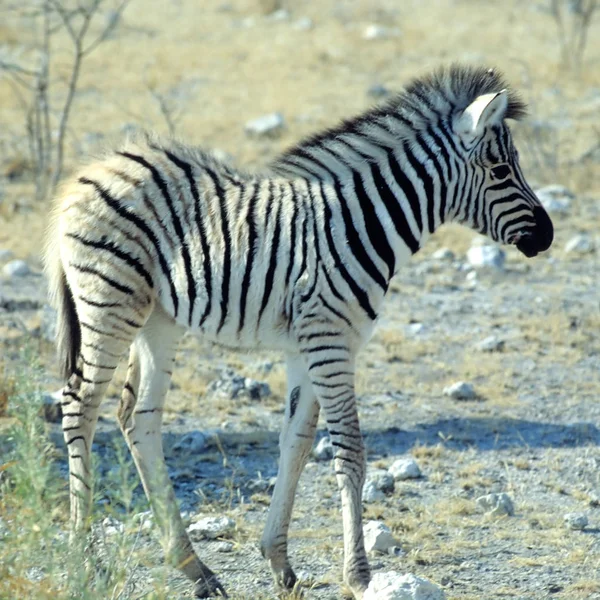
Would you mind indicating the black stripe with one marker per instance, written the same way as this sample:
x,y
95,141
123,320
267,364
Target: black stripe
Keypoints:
x,y
252,237
201,227
336,312
226,246
115,284
99,304
162,186
394,208
444,156
272,262
359,293
109,246
426,180
292,237
408,190
138,222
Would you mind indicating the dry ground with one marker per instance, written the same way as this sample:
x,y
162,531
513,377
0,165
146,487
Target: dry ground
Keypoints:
x,y
533,432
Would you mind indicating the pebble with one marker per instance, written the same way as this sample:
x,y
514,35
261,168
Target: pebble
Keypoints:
x,y
371,493
579,244
224,547
413,329
378,90
405,468
460,390
496,505
112,526
556,199
577,521
51,409
5,254
381,479
303,24
323,450
378,537
486,257
233,386
266,126
491,343
144,520
210,528
378,32
443,254
16,268
194,441
394,586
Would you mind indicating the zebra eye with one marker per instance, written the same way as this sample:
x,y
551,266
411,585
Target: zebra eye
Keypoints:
x,y
501,171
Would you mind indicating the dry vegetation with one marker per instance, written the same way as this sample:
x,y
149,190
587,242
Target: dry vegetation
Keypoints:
x,y
202,73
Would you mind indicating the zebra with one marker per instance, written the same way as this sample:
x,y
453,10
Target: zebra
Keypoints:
x,y
157,238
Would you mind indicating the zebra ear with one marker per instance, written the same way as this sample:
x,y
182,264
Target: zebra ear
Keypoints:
x,y
485,111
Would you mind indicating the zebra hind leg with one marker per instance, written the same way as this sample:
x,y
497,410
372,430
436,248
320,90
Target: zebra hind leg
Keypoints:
x,y
295,441
140,417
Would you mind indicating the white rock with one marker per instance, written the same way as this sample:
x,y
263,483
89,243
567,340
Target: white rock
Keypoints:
x,y
211,528
144,520
490,344
265,126
555,199
579,244
323,450
405,468
443,254
577,521
194,441
303,24
371,493
378,537
223,547
460,390
16,268
51,408
486,257
379,32
111,526
414,329
381,479
393,586
233,386
496,504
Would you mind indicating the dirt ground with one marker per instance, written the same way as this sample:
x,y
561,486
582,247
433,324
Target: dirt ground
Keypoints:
x,y
534,429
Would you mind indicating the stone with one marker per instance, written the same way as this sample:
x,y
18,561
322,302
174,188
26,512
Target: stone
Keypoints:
x,y
144,521
303,24
233,386
378,90
378,537
577,521
378,32
443,254
225,547
5,254
490,344
371,493
405,468
194,441
490,257
556,199
211,528
323,450
112,526
394,586
496,505
460,390
266,126
16,268
381,479
579,244
414,329
51,409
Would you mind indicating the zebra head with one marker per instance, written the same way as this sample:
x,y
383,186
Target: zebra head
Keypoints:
x,y
498,202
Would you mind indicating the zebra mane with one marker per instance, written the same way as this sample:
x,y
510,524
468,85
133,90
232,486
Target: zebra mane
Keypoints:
x,y
425,101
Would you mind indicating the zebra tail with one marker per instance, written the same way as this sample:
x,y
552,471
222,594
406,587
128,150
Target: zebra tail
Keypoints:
x,y
68,329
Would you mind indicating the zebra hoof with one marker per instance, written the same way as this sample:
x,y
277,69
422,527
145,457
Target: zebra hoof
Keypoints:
x,y
209,588
286,578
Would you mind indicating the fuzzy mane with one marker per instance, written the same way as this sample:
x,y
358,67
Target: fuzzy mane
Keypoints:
x,y
426,101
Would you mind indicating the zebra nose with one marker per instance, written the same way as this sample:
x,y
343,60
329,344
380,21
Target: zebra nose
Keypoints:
x,y
544,233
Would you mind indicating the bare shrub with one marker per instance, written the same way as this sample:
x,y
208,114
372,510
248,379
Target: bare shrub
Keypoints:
x,y
47,101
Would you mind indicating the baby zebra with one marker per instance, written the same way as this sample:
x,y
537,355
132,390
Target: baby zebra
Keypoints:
x,y
158,238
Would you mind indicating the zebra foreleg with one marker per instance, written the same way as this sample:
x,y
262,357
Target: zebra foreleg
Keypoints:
x,y
334,383
295,442
140,415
